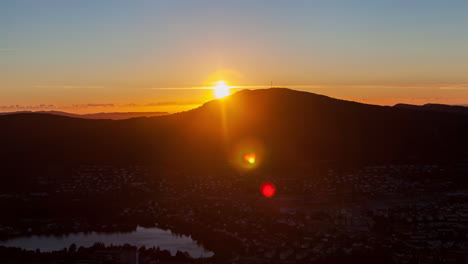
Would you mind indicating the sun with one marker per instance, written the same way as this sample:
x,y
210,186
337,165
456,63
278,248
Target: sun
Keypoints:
x,y
221,89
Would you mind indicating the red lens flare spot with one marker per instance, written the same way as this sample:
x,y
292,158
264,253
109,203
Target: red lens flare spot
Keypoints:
x,y
249,158
268,190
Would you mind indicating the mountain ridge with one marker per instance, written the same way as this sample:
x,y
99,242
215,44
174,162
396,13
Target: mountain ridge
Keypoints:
x,y
101,115
455,109
296,129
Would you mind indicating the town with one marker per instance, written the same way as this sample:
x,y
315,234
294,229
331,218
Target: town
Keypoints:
x,y
407,213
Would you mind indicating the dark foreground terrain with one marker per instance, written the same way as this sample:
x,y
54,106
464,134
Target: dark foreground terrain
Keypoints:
x,y
354,183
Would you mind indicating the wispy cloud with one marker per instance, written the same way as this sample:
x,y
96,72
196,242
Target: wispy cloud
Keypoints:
x,y
166,103
384,86
68,87
5,108
315,86
91,106
178,88
208,87
100,105
454,87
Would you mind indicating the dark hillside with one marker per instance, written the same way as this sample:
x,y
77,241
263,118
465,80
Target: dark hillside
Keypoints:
x,y
295,128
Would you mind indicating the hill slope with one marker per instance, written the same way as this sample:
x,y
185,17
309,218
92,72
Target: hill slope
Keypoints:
x,y
454,109
113,116
295,128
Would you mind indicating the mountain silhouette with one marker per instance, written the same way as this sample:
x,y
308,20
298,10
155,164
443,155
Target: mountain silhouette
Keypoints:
x,y
296,129
112,115
454,109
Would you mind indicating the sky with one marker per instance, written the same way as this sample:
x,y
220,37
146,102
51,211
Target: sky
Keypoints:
x,y
155,55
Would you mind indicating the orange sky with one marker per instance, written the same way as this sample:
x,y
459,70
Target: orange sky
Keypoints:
x,y
182,99
92,56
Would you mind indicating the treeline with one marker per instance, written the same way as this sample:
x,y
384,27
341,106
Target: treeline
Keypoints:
x,y
98,253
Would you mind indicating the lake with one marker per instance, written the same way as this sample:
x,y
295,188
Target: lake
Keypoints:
x,y
147,237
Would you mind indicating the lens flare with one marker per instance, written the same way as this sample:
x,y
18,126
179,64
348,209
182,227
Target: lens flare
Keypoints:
x,y
250,158
247,154
268,190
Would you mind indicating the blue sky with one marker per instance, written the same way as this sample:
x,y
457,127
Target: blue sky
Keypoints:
x,y
114,51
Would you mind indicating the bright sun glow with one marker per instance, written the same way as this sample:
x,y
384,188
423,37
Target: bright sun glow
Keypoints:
x,y
221,89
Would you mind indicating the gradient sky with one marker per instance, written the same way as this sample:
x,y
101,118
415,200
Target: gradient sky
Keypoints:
x,y
97,55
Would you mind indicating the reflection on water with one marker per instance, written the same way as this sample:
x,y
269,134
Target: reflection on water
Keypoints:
x,y
148,237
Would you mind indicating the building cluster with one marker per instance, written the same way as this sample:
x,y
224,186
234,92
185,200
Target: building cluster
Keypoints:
x,y
400,214
104,179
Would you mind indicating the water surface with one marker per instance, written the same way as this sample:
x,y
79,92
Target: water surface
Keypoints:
x,y
148,237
